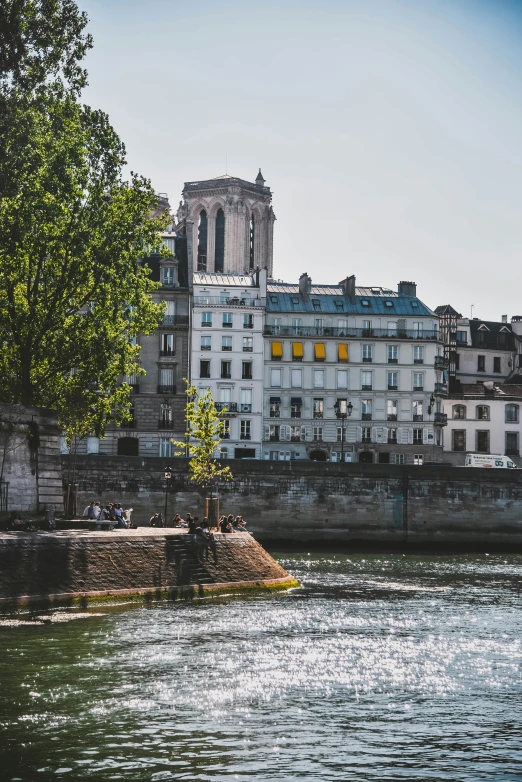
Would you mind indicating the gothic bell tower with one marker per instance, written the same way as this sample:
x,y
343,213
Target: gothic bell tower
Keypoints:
x,y
230,224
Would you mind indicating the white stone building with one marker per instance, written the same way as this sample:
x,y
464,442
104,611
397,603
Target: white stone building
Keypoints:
x,y
352,373
227,353
230,225
483,418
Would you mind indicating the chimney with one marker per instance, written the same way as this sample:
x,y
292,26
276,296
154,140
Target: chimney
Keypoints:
x,y
407,288
516,324
305,285
504,318
348,286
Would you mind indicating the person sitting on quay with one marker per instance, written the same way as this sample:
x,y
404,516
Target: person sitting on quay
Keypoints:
x,y
177,521
156,520
92,511
226,524
192,522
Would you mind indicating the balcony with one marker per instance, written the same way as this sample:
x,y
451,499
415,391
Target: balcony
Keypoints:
x,y
440,419
166,389
163,423
175,320
393,361
392,388
234,301
167,353
418,417
391,417
231,407
440,388
441,362
350,333
132,424
245,436
366,417
245,408
248,325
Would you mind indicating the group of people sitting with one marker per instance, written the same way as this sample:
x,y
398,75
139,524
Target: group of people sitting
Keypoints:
x,y
110,511
226,524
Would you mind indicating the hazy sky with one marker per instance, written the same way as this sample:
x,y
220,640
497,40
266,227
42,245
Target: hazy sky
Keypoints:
x,y
390,131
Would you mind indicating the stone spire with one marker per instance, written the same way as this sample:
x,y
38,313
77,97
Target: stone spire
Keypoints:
x,y
259,179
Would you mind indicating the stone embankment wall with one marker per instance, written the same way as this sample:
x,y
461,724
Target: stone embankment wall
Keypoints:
x,y
30,461
284,501
61,566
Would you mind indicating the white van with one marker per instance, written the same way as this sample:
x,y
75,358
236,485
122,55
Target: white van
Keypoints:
x,y
488,460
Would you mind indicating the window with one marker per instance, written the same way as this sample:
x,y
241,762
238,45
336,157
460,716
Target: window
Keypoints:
x,y
318,378
512,443
319,351
276,325
418,354
417,411
462,337
202,241
275,407
366,434
418,459
343,327
496,364
226,430
417,437
167,345
366,381
296,407
274,433
482,441
366,409
457,361
165,416
511,413
338,304
399,458
392,435
389,303
246,370
391,410
275,378
318,408
392,328
342,378
206,343
365,303
317,433
93,443
206,319
459,440
225,396
297,351
418,381
339,434
296,325
245,432
367,328
367,353
248,344
459,412
248,321
223,453
296,378
246,400
316,304
226,370
318,326
276,347
167,276
295,434
165,447
342,352
393,354
481,363
482,413
226,343
204,368
342,407
393,381
227,320
417,328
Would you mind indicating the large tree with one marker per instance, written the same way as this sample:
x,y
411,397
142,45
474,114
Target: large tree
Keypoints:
x,y
73,294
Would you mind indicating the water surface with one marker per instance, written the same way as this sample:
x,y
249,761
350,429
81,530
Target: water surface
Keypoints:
x,y
382,667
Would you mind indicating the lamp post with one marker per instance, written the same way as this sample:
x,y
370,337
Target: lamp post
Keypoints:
x,y
168,478
343,410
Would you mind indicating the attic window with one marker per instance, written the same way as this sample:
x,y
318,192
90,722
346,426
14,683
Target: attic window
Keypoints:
x,y
274,299
339,304
375,292
389,303
365,303
295,299
316,304
415,304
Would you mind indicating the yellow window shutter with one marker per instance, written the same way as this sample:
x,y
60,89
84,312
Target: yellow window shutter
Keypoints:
x,y
319,351
277,349
342,352
297,350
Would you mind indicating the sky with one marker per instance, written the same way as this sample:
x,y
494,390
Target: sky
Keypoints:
x,y
389,131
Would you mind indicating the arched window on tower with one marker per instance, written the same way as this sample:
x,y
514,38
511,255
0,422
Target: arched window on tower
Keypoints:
x,y
252,239
219,262
202,241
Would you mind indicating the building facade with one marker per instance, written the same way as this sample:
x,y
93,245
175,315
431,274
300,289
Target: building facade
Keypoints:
x,y
227,354
483,418
230,225
353,374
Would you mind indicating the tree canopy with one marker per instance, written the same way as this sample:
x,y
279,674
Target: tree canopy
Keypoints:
x,y
73,292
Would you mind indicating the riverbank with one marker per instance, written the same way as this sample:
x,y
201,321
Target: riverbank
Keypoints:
x,y
78,567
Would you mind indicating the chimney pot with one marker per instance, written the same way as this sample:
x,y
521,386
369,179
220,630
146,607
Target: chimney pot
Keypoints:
x,y
407,288
348,286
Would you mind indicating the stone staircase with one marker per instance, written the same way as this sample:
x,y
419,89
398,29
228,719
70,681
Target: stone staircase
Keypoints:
x,y
183,554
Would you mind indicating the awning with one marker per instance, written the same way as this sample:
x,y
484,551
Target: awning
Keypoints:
x,y
275,399
297,350
277,349
296,400
319,351
342,352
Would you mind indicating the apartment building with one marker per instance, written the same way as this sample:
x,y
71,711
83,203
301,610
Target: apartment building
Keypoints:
x,y
352,373
227,354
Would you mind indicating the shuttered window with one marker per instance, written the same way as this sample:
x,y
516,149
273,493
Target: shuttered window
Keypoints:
x,y
319,351
342,352
297,351
277,349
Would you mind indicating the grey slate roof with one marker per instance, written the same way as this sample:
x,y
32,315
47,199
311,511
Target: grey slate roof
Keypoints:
x,y
211,278
501,390
281,297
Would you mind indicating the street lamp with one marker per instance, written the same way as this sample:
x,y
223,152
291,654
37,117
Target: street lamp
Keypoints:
x,y
343,410
168,478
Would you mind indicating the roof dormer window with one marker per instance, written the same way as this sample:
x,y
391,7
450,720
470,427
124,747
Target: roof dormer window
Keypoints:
x,y
415,305
316,304
365,303
389,303
295,299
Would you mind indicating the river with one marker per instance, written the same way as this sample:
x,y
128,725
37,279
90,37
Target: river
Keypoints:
x,y
382,667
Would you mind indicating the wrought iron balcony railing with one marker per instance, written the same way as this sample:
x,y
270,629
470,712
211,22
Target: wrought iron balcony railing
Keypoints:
x,y
350,333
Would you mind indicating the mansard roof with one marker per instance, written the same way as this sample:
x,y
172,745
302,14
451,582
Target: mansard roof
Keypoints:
x,y
491,334
374,300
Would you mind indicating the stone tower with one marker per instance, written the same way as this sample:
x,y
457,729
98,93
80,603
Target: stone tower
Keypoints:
x,y
230,224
